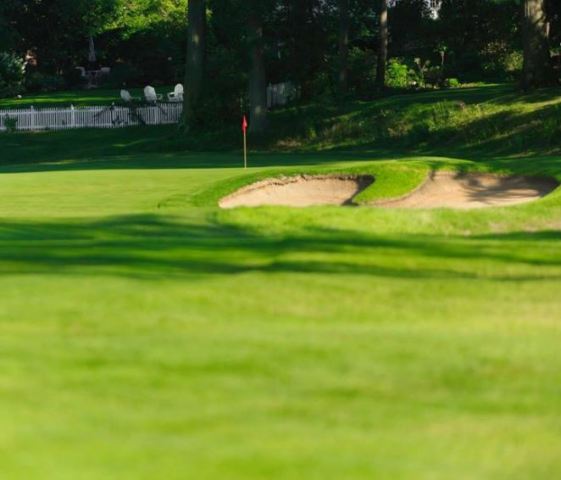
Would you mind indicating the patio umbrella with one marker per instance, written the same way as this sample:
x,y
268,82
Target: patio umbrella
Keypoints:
x,y
92,57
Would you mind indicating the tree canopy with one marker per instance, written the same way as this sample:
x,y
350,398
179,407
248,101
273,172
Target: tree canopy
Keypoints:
x,y
327,48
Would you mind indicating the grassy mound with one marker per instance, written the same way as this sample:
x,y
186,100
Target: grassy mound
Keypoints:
x,y
488,120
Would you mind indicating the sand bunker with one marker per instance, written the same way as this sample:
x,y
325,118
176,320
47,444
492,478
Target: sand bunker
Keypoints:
x,y
473,190
440,190
300,191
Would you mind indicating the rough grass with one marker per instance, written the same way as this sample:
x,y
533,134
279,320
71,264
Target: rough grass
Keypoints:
x,y
493,119
147,334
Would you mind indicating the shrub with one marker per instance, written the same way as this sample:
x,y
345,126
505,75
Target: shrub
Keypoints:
x,y
452,83
11,124
12,70
398,74
513,62
503,64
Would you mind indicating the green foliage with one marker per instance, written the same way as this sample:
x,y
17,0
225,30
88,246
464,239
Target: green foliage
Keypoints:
x,y
11,124
501,62
480,35
452,83
513,62
301,38
12,72
132,17
398,74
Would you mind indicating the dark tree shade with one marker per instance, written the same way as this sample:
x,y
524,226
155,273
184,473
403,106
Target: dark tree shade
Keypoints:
x,y
194,67
257,73
536,46
344,26
383,45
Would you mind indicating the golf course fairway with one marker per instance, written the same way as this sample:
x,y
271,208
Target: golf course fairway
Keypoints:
x,y
146,333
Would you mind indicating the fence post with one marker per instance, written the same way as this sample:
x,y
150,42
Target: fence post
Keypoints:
x,y
32,118
72,117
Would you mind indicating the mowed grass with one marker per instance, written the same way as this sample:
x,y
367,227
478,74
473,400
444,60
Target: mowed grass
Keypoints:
x,y
78,98
147,334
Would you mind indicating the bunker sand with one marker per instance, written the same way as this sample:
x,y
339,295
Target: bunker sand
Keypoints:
x,y
300,191
440,190
473,190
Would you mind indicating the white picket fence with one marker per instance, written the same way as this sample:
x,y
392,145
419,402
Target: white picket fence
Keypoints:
x,y
35,119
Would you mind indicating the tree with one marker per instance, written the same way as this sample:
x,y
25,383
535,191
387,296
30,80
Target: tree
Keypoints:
x,y
195,62
383,45
344,27
536,70
257,73
308,41
60,29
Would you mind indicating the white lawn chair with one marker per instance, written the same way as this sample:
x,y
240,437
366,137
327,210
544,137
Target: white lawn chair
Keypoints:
x,y
151,96
126,96
177,94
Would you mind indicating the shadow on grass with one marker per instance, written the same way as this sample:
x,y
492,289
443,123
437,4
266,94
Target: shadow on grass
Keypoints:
x,y
155,247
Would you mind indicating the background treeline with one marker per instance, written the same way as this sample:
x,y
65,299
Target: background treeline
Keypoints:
x,y
329,48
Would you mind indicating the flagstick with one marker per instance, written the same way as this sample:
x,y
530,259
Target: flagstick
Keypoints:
x,y
245,149
244,129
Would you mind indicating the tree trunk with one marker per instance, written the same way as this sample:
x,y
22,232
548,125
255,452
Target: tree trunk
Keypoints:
x,y
383,45
537,66
257,75
195,63
344,27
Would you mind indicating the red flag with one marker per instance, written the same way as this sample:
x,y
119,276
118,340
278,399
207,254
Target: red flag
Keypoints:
x,y
244,124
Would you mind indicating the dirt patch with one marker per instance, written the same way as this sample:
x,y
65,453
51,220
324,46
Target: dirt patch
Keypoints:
x,y
473,190
300,191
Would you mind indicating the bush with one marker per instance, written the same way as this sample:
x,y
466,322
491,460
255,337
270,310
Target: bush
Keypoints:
x,y
513,62
39,82
452,83
12,71
11,124
398,74
502,64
